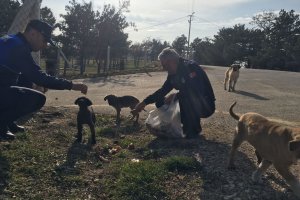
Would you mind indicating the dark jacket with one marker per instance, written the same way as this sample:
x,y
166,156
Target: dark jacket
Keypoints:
x,y
193,85
16,60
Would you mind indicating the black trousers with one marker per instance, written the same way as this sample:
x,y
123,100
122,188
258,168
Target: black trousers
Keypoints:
x,y
190,119
16,102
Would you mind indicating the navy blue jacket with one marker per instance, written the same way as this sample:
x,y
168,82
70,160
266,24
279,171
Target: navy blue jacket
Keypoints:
x,y
16,60
193,85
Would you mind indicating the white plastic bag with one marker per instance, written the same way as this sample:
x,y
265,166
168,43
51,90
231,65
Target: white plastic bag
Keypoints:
x,y
165,121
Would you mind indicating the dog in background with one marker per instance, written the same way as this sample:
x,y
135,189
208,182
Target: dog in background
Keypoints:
x,y
231,77
87,116
274,144
122,102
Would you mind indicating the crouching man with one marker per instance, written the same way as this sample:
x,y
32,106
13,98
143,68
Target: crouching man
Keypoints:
x,y
196,96
16,60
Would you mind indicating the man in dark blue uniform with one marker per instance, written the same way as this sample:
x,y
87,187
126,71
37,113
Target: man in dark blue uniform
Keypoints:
x,y
16,61
196,96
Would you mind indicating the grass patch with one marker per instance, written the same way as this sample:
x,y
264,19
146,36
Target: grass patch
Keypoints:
x,y
182,164
145,179
140,180
47,163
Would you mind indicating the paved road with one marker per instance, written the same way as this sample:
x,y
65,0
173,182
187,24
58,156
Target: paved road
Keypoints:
x,y
272,93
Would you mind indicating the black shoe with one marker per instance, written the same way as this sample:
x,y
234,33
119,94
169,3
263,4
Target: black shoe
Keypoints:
x,y
193,134
14,128
7,135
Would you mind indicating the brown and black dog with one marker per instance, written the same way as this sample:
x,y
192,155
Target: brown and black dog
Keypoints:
x,y
122,102
275,144
87,116
231,77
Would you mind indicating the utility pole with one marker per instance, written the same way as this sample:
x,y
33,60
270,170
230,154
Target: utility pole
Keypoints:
x,y
190,23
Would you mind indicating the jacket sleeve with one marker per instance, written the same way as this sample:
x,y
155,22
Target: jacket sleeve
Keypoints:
x,y
32,72
160,93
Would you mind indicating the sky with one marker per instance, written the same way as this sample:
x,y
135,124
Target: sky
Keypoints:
x,y
167,19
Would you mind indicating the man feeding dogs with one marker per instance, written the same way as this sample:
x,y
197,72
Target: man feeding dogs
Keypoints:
x,y
16,60
196,96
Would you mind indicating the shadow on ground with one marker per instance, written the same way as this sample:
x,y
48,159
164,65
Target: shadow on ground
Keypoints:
x,y
218,181
252,95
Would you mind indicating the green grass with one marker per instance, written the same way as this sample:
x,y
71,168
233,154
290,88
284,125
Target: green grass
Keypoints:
x,y
182,164
140,180
46,163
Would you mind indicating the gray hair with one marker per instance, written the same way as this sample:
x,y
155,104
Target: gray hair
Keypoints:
x,y
168,53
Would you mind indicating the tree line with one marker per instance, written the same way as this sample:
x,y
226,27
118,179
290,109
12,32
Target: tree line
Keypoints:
x,y
273,42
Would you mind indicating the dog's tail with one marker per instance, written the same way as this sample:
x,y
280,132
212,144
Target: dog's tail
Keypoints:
x,y
235,116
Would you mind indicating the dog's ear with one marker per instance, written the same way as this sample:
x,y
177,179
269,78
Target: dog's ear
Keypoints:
x,y
88,102
77,100
294,145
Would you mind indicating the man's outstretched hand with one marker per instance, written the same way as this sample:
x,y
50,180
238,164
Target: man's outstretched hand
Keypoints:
x,y
138,108
80,87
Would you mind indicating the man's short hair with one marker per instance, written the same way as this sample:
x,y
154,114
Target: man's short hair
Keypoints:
x,y
168,53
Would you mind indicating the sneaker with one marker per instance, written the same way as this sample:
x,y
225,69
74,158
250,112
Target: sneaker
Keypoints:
x,y
14,128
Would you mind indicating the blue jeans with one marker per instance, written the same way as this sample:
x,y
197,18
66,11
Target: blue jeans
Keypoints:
x,y
16,102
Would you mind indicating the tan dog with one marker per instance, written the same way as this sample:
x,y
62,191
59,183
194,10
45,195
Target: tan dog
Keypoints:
x,y
274,143
231,76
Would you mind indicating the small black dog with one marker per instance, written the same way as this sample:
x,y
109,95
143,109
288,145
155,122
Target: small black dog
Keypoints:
x,y
85,115
122,102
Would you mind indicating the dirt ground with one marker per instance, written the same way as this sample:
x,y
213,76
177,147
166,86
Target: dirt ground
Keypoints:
x,y
271,93
211,149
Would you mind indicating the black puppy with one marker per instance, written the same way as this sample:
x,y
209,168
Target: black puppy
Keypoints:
x,y
122,102
85,115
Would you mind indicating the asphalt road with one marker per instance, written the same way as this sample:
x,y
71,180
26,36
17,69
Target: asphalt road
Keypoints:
x,y
274,94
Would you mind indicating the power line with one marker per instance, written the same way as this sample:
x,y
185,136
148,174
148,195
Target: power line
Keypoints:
x,y
166,22
208,21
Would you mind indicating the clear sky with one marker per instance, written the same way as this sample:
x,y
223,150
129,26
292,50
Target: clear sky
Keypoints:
x,y
168,19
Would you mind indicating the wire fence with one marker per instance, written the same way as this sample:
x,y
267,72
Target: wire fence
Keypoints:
x,y
93,68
